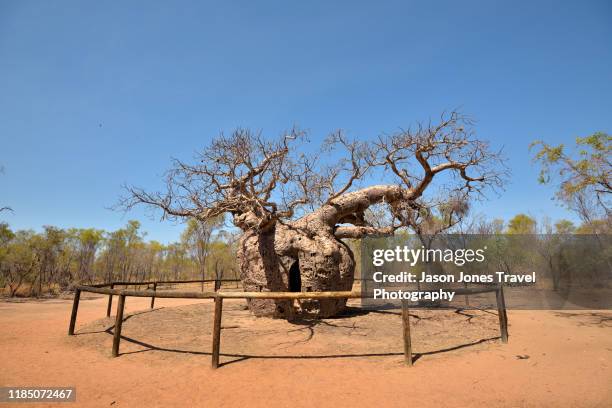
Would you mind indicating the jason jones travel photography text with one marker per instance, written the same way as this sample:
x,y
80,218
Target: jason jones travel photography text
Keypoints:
x,y
413,256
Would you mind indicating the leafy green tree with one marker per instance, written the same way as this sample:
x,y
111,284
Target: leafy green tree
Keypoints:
x,y
151,260
48,249
584,177
19,262
84,244
565,227
6,234
176,260
118,257
197,239
594,227
522,224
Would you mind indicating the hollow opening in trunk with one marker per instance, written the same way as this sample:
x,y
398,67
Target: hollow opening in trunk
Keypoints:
x,y
295,279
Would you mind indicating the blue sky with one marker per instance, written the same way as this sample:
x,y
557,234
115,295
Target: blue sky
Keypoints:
x,y
97,94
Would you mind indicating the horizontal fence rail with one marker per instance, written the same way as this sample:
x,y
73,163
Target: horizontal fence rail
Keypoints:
x,y
112,285
173,282
110,290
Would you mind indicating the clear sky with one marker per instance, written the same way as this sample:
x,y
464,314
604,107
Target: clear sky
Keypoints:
x,y
97,94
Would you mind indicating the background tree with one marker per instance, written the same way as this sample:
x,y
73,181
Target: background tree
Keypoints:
x,y
52,261
86,244
197,239
294,210
176,261
19,261
48,251
585,181
585,184
522,224
119,252
564,226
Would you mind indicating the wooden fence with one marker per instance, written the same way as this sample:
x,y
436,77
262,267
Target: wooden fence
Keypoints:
x,y
218,296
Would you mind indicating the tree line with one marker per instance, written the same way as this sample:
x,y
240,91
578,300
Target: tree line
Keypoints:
x,y
53,260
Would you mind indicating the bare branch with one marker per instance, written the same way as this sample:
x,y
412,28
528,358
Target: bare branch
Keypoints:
x,y
355,232
260,181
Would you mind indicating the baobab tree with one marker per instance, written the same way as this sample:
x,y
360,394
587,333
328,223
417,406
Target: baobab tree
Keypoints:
x,y
294,209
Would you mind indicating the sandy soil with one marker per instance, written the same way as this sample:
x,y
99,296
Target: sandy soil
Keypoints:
x,y
553,359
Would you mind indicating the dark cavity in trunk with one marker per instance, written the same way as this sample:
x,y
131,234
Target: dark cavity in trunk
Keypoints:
x,y
295,279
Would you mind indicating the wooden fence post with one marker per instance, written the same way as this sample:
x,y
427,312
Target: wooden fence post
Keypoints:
x,y
75,309
153,297
501,312
407,339
118,324
110,301
216,345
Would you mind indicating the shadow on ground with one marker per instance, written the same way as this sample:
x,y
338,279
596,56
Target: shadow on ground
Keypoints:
x,y
349,321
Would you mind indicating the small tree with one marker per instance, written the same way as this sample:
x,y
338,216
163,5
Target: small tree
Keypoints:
x,y
197,238
88,242
585,184
522,224
176,260
19,263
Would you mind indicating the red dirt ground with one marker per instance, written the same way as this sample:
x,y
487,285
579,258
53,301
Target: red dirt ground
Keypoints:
x,y
565,358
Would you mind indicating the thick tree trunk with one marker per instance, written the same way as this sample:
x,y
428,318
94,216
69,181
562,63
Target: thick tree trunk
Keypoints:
x,y
307,255
295,257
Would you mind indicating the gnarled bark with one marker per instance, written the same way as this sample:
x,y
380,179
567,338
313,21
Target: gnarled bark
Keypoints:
x,y
313,243
269,261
